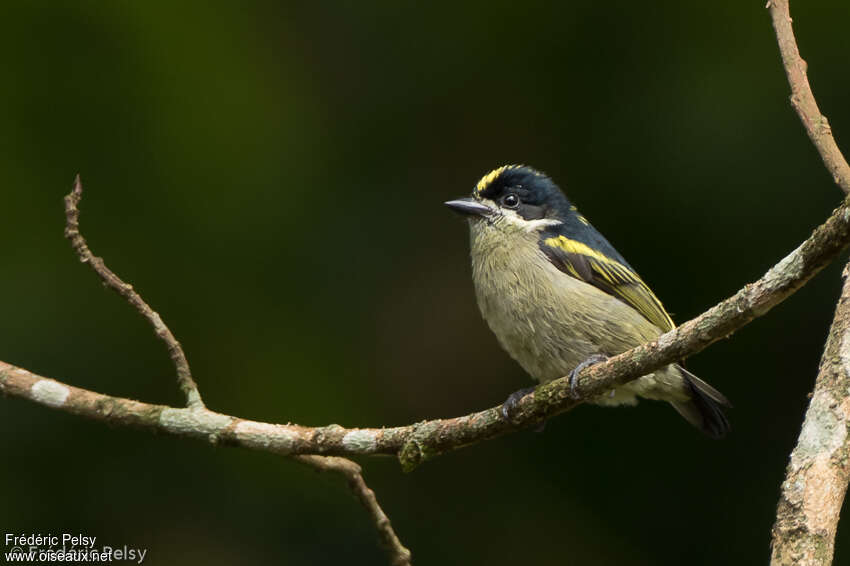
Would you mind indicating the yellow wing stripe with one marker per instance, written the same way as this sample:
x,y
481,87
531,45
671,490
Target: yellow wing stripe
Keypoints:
x,y
576,247
622,280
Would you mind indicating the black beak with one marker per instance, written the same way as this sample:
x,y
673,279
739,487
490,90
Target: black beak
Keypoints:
x,y
468,207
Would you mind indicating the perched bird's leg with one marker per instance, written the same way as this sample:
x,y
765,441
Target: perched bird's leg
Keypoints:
x,y
594,359
509,406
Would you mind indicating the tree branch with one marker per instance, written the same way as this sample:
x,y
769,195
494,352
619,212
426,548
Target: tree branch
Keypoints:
x,y
819,469
802,98
399,555
53,393
817,475
175,351
414,444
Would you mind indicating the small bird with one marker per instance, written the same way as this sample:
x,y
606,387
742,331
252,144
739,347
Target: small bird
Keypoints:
x,y
559,297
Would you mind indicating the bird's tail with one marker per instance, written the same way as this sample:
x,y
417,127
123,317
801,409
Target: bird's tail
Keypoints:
x,y
703,410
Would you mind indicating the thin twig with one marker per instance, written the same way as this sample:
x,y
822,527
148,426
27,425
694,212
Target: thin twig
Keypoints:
x,y
351,471
416,443
802,98
175,351
817,474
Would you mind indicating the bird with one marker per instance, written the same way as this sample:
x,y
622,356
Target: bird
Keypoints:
x,y
559,297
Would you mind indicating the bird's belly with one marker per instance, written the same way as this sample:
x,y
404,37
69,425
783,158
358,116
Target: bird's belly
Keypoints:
x,y
544,347
550,322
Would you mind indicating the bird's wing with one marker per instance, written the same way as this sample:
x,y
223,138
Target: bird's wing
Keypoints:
x,y
584,263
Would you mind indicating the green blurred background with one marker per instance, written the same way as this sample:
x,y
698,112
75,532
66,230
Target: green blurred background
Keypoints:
x,y
270,176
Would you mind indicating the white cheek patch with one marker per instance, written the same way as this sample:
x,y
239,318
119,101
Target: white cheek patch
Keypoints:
x,y
540,224
514,219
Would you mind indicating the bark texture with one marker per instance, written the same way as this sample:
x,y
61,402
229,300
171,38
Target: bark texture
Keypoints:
x,y
817,475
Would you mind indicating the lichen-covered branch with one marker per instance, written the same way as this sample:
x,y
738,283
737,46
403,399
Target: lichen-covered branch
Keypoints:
x,y
802,98
175,351
414,444
817,475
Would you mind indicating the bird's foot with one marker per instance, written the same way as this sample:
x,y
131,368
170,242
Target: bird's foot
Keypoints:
x,y
510,405
592,360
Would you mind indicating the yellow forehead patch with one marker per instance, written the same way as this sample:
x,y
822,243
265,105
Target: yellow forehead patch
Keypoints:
x,y
492,176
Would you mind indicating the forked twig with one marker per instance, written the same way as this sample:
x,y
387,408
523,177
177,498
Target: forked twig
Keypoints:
x,y
399,555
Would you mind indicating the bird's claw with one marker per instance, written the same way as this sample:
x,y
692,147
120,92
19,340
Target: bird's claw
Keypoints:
x,y
592,360
510,405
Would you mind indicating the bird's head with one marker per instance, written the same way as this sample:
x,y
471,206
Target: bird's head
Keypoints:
x,y
516,197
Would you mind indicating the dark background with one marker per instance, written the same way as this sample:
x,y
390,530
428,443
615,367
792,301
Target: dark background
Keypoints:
x,y
271,178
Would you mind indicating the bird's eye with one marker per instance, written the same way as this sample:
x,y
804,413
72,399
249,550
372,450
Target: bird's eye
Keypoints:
x,y
510,200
